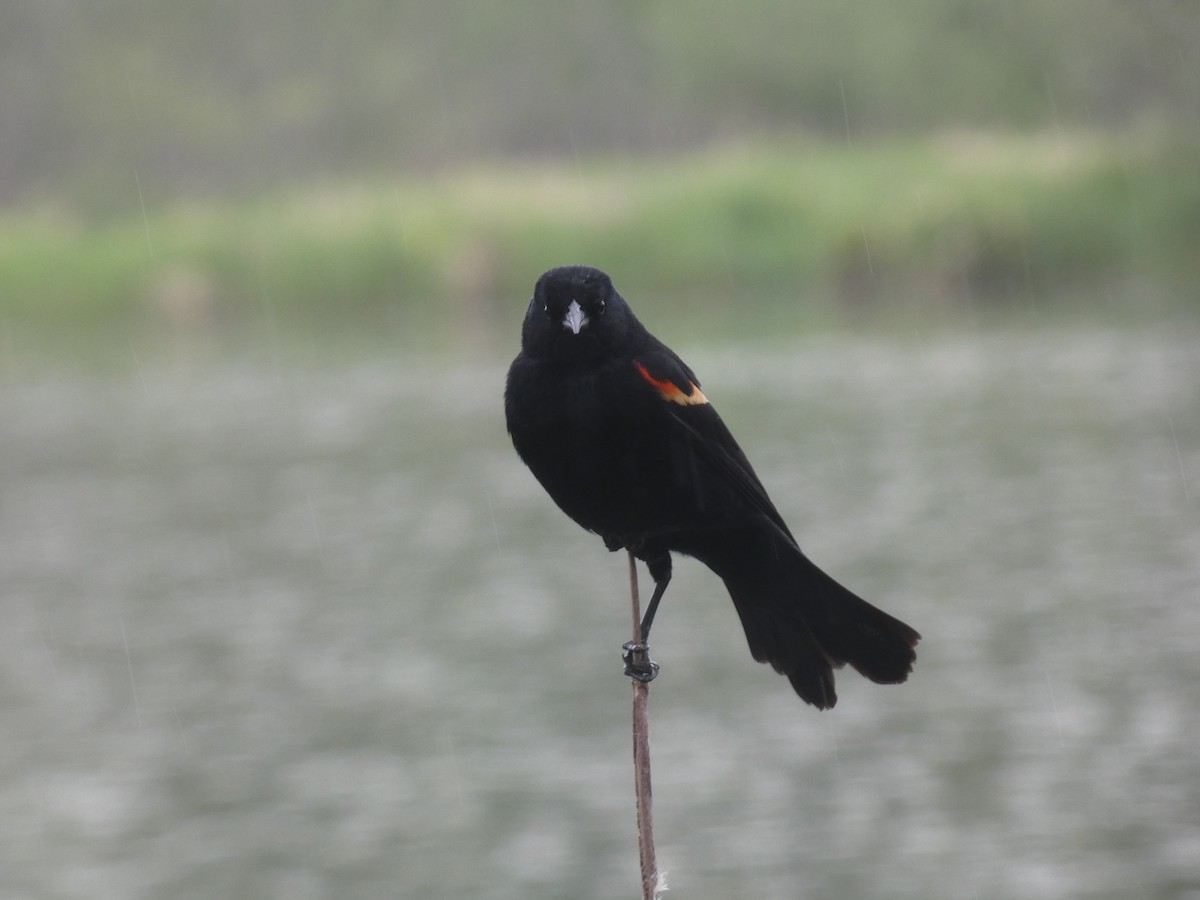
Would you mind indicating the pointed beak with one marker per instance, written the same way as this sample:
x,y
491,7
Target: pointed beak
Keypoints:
x,y
575,318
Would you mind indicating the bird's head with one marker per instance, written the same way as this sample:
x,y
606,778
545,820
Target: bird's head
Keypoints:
x,y
575,314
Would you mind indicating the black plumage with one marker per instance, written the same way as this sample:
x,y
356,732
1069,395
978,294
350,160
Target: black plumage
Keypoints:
x,y
614,426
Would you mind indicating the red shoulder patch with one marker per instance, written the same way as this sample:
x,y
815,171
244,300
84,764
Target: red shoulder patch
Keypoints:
x,y
689,396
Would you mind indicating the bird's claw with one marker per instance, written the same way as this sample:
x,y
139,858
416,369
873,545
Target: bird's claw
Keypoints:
x,y
638,664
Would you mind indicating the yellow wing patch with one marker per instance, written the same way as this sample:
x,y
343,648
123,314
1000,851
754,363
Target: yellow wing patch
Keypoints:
x,y
671,391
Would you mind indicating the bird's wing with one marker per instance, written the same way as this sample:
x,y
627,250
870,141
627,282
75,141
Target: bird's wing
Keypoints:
x,y
686,404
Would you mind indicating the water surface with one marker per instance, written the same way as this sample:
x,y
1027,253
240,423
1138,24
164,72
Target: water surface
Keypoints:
x,y
313,631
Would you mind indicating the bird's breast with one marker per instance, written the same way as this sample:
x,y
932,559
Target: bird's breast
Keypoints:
x,y
602,453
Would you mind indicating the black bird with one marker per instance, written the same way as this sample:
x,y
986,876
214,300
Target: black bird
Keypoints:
x,y
615,427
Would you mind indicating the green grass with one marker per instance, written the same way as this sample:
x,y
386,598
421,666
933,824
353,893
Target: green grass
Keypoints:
x,y
966,221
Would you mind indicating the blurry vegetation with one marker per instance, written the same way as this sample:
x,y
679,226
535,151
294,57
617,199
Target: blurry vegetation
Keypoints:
x,y
939,222
218,97
408,163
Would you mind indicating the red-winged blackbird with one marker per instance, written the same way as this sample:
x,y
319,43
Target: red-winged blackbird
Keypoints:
x,y
614,426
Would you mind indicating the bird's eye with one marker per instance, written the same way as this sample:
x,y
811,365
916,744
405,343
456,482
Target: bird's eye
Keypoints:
x,y
600,309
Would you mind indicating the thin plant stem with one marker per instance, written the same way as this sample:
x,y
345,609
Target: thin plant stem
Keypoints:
x,y
641,755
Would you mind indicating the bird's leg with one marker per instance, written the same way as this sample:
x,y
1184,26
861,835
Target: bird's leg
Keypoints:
x,y
638,663
660,571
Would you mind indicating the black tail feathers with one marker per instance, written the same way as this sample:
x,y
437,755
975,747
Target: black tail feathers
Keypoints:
x,y
805,625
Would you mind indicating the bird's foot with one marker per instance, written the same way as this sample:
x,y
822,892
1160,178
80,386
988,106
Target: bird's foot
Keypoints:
x,y
638,664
